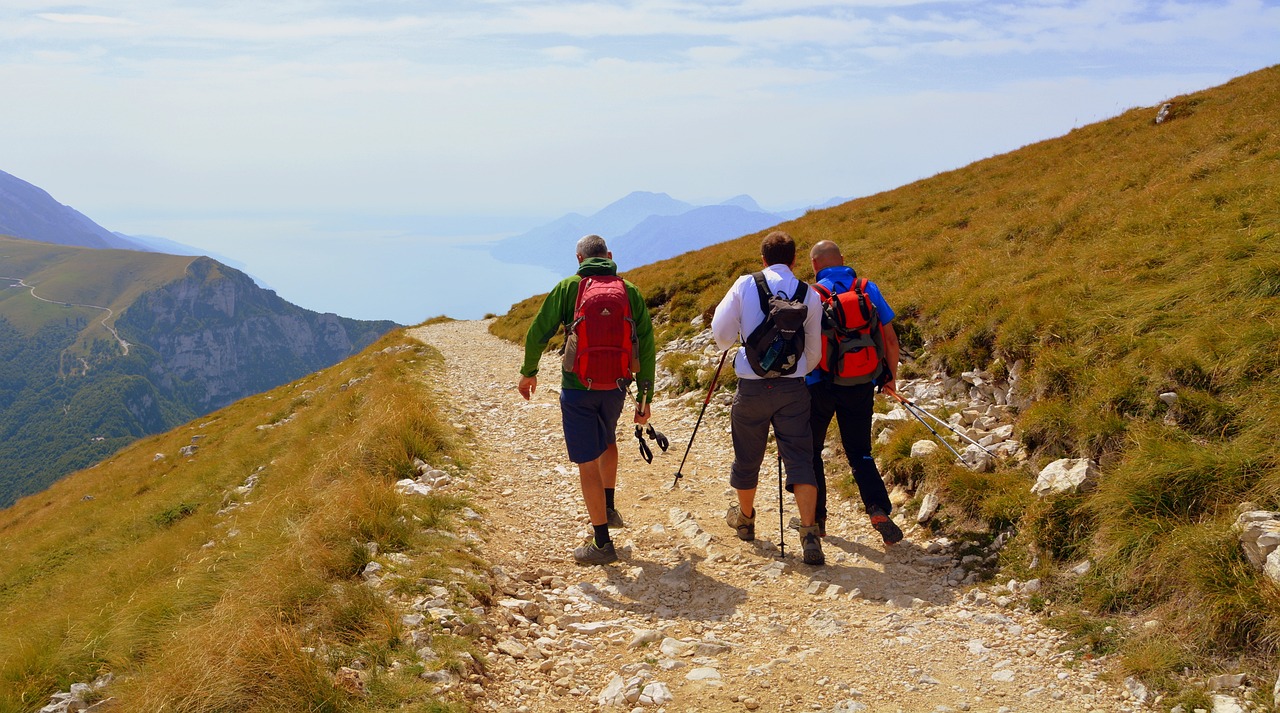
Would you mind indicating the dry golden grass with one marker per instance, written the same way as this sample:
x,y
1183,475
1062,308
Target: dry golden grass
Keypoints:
x,y
257,621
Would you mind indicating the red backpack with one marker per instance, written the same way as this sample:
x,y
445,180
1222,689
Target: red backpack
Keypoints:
x,y
601,346
852,341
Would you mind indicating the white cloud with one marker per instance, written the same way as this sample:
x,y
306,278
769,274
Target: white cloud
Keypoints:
x,y
564,53
77,19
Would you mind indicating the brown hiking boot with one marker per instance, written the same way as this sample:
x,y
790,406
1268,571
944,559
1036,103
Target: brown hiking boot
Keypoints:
x,y
811,543
745,526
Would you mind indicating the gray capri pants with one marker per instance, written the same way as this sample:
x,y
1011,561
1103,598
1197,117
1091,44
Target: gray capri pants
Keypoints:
x,y
784,403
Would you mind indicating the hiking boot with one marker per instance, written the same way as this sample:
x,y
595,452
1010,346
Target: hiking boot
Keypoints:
x,y
887,528
794,524
746,526
615,519
590,553
811,543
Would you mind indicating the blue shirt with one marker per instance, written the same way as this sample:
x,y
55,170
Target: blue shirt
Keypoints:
x,y
840,279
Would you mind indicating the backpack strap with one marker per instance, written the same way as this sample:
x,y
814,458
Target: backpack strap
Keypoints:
x,y
802,289
762,288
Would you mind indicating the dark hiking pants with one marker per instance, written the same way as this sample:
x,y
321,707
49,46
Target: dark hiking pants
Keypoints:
x,y
852,407
784,404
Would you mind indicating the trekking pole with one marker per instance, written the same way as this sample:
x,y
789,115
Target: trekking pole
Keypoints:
x,y
913,405
710,389
908,406
782,541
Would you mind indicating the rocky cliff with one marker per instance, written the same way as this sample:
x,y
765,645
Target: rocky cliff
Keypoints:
x,y
215,336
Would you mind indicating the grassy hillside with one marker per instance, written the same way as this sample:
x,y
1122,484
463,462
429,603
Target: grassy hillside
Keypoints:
x,y
1120,261
201,336
106,278
201,595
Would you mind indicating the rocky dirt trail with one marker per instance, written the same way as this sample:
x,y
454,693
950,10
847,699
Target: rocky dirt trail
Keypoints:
x,y
691,618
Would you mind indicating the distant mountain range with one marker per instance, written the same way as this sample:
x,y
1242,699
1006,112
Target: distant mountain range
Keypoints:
x,y
643,227
105,338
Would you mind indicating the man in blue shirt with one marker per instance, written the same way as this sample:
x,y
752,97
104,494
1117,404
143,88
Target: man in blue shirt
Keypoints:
x,y
851,406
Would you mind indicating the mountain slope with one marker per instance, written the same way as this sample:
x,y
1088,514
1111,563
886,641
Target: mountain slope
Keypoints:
x,y
29,212
551,245
640,228
659,237
1123,262
103,346
227,577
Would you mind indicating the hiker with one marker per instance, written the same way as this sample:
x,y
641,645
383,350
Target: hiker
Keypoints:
x,y
769,394
595,377
851,403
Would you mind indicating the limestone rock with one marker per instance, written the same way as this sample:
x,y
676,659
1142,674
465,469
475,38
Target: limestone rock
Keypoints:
x,y
1226,704
1225,682
1136,689
1259,535
977,459
1065,475
923,449
928,507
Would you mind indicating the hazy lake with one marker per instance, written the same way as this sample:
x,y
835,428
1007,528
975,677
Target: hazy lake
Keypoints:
x,y
370,268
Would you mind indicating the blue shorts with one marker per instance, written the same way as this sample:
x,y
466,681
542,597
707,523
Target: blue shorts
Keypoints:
x,y
590,421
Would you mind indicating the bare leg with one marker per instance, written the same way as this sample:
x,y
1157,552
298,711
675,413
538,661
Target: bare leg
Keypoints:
x,y
806,503
608,462
593,488
746,502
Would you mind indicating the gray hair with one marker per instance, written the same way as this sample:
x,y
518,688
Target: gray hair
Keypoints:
x,y
592,246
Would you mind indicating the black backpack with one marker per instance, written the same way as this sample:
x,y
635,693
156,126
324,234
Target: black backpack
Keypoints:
x,y
774,348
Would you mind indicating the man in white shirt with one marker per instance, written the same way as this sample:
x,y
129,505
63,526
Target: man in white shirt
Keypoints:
x,y
781,401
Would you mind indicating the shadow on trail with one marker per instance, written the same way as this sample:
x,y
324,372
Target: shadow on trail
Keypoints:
x,y
880,574
669,592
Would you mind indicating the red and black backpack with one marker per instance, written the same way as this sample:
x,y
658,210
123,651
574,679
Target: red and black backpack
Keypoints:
x,y
601,346
852,337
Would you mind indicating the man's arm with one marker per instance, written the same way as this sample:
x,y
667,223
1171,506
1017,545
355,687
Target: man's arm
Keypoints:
x,y
891,354
812,329
543,328
645,342
727,320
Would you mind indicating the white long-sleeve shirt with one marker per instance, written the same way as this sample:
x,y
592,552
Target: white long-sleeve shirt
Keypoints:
x,y
739,313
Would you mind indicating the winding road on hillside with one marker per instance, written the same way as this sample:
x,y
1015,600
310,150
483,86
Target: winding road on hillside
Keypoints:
x,y
691,618
110,313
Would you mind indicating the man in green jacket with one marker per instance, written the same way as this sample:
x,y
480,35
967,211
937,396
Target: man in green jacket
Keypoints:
x,y
590,417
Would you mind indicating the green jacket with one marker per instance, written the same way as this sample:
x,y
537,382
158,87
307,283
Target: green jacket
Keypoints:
x,y
557,310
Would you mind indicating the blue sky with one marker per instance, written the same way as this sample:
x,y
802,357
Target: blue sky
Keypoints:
x,y
263,129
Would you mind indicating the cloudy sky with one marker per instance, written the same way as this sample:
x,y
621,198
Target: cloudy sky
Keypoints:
x,y
256,128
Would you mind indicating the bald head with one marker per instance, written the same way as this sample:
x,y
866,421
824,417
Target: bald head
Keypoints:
x,y
825,254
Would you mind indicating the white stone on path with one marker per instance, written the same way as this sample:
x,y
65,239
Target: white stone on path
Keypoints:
x,y
1226,704
1003,676
656,694
703,673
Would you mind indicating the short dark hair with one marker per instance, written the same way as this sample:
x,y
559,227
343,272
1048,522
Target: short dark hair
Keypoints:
x,y
778,248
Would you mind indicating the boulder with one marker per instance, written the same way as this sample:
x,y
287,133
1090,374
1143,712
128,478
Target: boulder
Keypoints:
x,y
1068,475
928,506
923,449
1259,535
977,459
